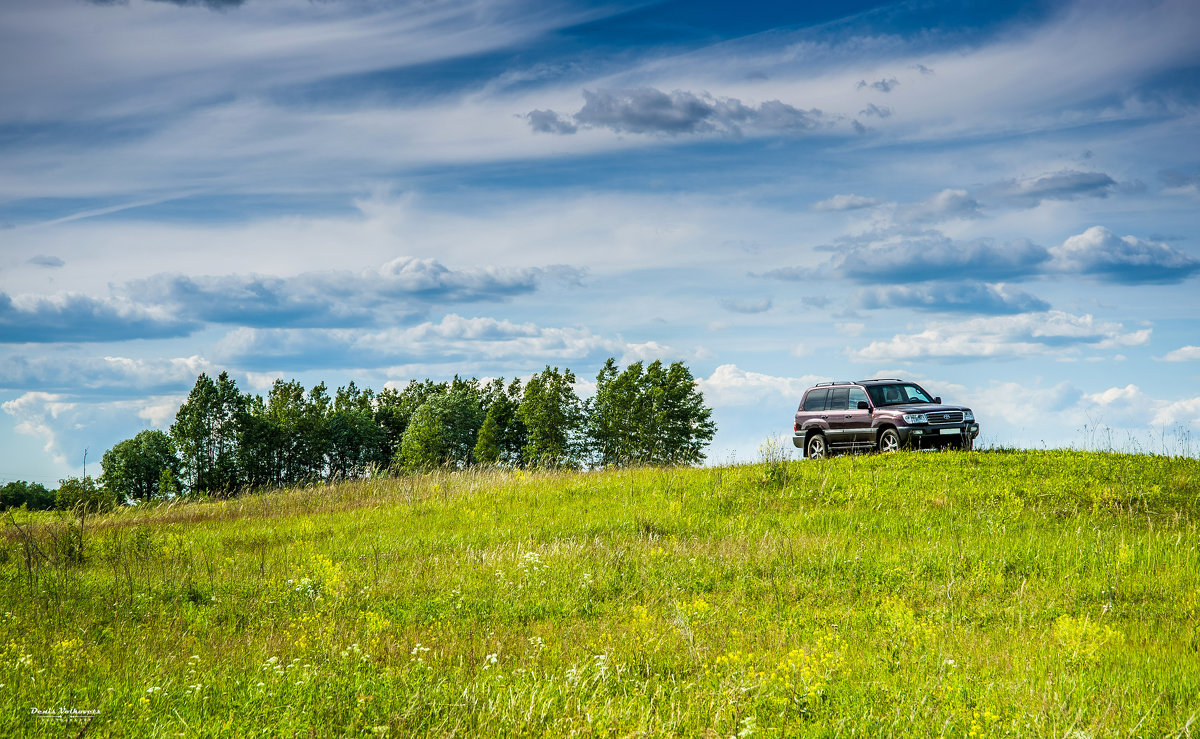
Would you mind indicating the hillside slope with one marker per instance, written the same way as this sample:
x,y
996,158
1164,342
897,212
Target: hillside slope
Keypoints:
x,y
1024,593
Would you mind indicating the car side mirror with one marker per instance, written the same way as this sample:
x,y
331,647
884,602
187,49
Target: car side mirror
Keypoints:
x,y
938,400
864,405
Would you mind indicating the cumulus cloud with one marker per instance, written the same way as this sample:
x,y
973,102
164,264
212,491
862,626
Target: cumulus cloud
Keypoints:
x,y
45,260
730,385
747,306
944,206
845,202
875,110
1063,185
931,255
110,376
1100,253
646,110
1022,335
66,425
1183,354
78,318
452,339
397,291
952,297
171,305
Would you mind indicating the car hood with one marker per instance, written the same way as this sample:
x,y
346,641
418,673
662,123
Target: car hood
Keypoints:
x,y
922,408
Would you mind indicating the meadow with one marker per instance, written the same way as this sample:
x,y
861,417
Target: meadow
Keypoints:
x,y
1031,593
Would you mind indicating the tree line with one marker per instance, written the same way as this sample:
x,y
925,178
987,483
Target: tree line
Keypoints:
x,y
224,441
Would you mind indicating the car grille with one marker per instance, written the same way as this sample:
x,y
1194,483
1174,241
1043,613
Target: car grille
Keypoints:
x,y
946,417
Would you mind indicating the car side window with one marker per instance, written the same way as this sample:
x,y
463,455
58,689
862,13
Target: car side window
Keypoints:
x,y
815,400
839,399
857,395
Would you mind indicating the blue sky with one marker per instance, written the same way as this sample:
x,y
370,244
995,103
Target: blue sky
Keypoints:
x,y
996,199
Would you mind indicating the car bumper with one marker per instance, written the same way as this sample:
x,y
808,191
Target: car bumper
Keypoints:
x,y
936,435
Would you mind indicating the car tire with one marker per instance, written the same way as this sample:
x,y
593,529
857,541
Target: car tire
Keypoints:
x,y
889,441
815,447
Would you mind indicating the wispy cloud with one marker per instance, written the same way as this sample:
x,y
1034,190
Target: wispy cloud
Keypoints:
x,y
1063,185
952,297
1002,337
646,110
845,202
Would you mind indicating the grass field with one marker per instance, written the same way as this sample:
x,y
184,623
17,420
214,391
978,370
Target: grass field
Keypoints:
x,y
982,594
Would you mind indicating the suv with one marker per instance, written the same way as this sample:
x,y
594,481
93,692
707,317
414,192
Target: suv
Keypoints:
x,y
884,414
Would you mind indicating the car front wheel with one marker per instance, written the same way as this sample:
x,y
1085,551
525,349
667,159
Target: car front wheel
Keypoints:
x,y
889,441
815,448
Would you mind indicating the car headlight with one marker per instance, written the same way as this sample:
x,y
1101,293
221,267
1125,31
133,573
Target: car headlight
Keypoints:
x,y
968,415
915,418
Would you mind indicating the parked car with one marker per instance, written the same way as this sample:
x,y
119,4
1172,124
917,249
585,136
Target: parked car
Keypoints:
x,y
881,414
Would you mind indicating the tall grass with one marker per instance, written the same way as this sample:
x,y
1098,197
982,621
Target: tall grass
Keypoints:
x,y
981,594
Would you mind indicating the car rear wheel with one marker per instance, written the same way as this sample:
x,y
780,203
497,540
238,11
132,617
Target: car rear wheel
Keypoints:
x,y
814,448
889,441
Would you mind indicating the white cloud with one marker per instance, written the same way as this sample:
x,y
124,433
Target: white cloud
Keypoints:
x,y
1049,333
1182,354
845,202
729,385
66,425
943,206
1101,253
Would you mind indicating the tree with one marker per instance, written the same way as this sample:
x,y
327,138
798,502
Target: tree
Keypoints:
x,y
132,468
83,494
502,437
552,415
614,415
443,431
648,415
33,495
394,410
207,432
679,424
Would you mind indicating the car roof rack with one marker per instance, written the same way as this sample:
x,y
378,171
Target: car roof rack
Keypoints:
x,y
835,382
883,379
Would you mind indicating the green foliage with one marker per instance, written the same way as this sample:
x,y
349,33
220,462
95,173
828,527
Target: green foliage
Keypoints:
x,y
33,495
553,419
651,415
207,434
503,436
133,468
223,441
394,410
83,494
443,431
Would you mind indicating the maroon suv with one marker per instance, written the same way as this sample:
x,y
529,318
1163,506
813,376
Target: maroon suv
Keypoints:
x,y
879,414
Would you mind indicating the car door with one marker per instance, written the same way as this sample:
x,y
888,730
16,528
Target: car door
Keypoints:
x,y
839,428
858,422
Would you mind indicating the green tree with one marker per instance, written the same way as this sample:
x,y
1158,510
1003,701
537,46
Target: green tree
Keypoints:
x,y
33,495
552,415
206,434
82,493
259,446
648,415
679,425
502,436
443,431
394,410
132,468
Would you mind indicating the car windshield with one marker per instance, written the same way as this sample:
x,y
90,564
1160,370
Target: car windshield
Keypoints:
x,y
897,394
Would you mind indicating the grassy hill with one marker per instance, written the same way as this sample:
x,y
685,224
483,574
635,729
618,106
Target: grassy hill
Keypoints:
x,y
981,594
